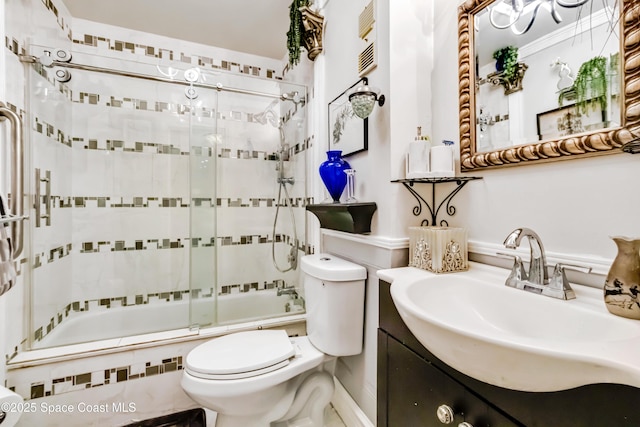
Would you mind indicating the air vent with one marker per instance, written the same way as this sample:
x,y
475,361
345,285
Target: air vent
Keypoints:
x,y
366,20
367,32
367,59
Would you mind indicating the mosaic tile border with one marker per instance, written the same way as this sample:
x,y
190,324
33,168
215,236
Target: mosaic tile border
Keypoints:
x,y
137,104
14,46
156,52
157,148
74,308
60,20
195,242
62,202
50,131
60,252
136,146
52,255
146,147
81,97
181,109
101,377
108,375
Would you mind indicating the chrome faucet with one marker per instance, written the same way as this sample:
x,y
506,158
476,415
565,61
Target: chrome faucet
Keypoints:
x,y
288,291
537,279
538,265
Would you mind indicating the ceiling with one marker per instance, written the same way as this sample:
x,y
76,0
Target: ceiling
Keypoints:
x,y
257,27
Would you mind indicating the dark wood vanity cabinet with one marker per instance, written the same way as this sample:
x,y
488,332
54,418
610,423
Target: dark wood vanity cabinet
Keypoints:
x,y
413,383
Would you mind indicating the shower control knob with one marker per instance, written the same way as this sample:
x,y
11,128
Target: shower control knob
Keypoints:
x,y
445,414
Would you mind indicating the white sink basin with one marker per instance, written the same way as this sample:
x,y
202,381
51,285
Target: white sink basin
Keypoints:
x,y
512,338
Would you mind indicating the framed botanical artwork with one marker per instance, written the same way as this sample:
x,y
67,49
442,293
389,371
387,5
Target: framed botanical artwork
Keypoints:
x,y
567,120
347,132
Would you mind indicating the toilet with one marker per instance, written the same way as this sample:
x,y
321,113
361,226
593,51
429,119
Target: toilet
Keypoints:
x,y
264,378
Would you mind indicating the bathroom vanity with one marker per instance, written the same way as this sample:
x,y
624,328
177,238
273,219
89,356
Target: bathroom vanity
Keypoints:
x,y
415,388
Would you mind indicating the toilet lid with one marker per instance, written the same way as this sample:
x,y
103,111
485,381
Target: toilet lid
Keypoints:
x,y
241,355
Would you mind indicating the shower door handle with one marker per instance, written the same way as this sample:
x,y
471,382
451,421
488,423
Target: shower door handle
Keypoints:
x,y
47,198
17,178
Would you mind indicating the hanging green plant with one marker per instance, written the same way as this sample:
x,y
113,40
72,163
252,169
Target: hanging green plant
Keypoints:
x,y
507,62
591,84
296,28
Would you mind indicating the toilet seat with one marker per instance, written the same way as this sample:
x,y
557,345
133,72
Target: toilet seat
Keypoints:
x,y
241,355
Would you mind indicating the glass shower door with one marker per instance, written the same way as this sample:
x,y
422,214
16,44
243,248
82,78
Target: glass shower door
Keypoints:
x,y
203,144
110,219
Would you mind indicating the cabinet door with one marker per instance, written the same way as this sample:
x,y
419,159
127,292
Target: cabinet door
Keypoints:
x,y
416,388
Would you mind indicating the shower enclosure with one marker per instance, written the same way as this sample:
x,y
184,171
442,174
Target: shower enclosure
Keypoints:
x,y
162,196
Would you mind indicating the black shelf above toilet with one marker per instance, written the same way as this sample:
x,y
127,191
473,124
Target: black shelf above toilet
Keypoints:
x,y
349,217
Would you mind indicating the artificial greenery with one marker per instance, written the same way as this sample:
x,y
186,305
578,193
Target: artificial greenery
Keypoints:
x,y
591,84
296,28
508,57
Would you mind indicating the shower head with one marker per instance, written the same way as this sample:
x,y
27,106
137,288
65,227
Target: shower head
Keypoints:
x,y
268,115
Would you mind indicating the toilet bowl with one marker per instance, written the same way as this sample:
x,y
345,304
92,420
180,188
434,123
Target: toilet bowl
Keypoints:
x,y
265,378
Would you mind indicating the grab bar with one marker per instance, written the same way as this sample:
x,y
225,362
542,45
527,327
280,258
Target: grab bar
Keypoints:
x,y
17,178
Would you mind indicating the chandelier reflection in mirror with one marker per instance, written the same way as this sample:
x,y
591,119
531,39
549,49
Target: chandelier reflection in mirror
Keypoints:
x,y
519,15
363,98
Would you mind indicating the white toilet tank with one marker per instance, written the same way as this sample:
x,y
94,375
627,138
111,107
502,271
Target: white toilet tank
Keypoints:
x,y
334,297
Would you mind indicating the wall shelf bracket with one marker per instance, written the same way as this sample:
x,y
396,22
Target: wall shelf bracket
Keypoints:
x,y
431,206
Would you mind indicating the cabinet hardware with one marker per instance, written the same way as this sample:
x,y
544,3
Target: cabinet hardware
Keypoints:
x,y
445,414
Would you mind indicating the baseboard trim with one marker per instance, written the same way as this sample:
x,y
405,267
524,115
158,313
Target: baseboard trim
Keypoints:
x,y
348,409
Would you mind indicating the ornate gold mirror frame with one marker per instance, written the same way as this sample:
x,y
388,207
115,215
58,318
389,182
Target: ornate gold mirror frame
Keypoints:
x,y
584,144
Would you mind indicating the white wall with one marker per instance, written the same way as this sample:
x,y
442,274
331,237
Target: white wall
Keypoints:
x,y
573,205
403,76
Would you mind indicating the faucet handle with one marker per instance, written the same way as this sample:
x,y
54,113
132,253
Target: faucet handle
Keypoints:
x,y
562,266
517,271
559,281
514,257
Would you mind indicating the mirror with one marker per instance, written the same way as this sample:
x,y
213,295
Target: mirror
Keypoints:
x,y
540,112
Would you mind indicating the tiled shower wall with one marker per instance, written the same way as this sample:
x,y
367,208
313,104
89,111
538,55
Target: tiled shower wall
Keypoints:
x,y
126,213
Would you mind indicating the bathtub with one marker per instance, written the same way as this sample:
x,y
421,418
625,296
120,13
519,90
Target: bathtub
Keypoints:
x,y
126,321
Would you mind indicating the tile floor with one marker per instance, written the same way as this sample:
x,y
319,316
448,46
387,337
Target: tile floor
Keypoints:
x,y
331,418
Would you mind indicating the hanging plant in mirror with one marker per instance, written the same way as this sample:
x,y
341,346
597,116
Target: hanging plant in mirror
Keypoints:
x,y
591,84
509,72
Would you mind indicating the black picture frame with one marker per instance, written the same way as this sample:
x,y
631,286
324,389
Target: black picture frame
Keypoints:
x,y
347,132
566,120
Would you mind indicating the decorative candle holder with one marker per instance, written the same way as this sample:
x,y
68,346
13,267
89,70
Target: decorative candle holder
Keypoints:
x,y
438,249
351,186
